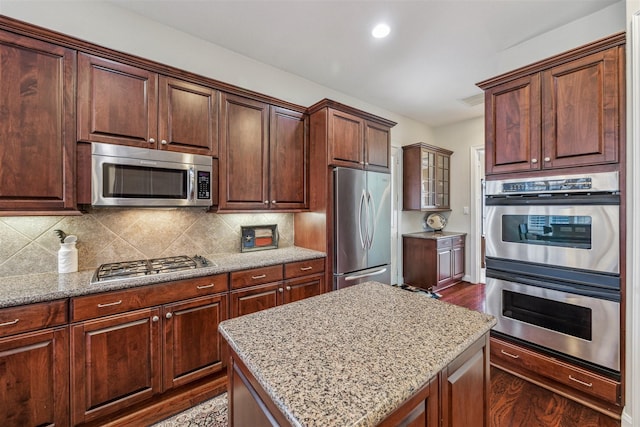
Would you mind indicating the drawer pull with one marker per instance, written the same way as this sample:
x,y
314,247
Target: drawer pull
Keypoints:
x,y
210,285
306,268
12,322
288,288
109,304
580,382
513,356
262,276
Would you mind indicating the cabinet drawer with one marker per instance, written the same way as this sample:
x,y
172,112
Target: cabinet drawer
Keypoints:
x,y
457,240
303,268
30,317
572,376
106,303
256,276
444,243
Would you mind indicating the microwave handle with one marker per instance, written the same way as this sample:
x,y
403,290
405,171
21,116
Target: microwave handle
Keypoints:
x,y
192,184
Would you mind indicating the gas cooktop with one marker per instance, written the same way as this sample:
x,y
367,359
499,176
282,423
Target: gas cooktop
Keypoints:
x,y
145,267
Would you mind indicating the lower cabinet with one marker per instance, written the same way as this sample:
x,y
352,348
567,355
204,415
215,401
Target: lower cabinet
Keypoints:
x,y
122,359
34,378
433,261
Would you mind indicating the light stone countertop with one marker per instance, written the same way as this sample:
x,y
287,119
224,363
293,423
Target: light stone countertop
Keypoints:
x,y
350,357
32,288
434,234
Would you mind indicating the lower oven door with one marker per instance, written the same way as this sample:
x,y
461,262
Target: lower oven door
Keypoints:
x,y
580,326
585,237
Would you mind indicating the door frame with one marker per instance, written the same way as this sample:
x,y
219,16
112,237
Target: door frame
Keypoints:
x,y
476,272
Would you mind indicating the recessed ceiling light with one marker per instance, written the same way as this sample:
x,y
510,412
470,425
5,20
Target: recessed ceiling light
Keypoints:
x,y
380,31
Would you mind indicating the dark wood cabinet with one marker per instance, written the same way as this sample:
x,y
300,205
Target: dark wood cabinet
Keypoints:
x,y
123,104
426,171
34,361
264,156
560,113
192,344
432,260
116,362
37,130
465,388
261,288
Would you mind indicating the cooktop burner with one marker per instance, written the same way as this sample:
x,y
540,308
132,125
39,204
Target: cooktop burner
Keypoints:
x,y
144,267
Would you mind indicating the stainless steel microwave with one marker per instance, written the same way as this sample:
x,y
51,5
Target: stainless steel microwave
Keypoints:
x,y
131,176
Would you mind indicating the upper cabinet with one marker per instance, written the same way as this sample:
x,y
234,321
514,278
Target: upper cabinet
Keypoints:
x,y
37,129
425,178
264,156
563,112
123,104
355,139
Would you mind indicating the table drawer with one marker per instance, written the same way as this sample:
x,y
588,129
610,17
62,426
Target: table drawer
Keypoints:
x,y
107,303
444,243
14,320
457,240
575,377
303,268
256,276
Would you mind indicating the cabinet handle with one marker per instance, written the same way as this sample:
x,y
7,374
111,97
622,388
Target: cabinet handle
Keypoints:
x,y
155,318
580,382
12,322
513,356
109,304
163,142
210,285
306,268
534,160
262,276
152,141
273,202
547,159
168,315
266,202
288,288
280,290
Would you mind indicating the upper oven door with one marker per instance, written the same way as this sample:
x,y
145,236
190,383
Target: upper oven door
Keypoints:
x,y
582,236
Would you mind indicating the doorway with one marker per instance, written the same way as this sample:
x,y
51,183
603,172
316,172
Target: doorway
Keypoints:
x,y
476,240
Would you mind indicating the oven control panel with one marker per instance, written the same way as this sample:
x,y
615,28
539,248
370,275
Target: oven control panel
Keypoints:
x,y
597,182
541,186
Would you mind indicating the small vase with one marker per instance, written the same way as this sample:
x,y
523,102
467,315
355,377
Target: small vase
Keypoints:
x,y
68,258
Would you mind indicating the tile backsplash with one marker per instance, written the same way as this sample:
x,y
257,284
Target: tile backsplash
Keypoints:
x,y
30,245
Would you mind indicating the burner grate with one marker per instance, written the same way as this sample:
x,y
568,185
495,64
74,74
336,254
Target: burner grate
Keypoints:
x,y
143,267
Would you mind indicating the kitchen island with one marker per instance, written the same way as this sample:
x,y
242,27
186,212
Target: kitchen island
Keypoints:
x,y
371,354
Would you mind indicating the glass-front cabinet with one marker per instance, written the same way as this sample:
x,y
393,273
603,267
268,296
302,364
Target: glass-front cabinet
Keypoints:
x,y
426,172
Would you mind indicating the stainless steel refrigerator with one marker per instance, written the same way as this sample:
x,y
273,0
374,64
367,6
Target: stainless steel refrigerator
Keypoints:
x,y
362,215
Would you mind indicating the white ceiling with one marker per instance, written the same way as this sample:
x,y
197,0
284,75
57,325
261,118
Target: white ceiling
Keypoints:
x,y
437,50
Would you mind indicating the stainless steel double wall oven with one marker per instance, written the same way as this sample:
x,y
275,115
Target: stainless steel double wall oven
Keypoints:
x,y
553,264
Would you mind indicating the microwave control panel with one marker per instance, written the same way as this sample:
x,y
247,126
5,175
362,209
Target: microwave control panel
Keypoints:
x,y
204,185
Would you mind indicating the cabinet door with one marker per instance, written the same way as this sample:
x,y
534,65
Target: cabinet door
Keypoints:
x,y
244,153
115,363
512,126
457,259
34,380
288,159
377,140
465,388
117,103
445,265
187,117
192,346
581,123
37,129
255,299
442,181
303,287
346,139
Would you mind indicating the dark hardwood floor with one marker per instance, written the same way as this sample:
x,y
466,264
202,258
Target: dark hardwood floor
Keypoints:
x,y
519,403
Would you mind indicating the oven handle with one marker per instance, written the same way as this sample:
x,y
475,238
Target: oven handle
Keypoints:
x,y
553,200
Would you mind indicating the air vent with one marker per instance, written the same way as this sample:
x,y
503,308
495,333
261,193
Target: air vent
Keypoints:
x,y
474,100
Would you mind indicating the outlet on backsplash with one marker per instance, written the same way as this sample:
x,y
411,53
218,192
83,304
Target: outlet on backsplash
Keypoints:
x,y
30,244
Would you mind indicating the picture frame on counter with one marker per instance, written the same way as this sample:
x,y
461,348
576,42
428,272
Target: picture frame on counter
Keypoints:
x,y
259,237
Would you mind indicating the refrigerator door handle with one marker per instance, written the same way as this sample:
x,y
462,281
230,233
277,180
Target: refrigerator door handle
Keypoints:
x,y
363,243
360,276
372,213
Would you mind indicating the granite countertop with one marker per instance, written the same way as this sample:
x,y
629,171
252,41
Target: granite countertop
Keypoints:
x,y
352,356
32,288
434,234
